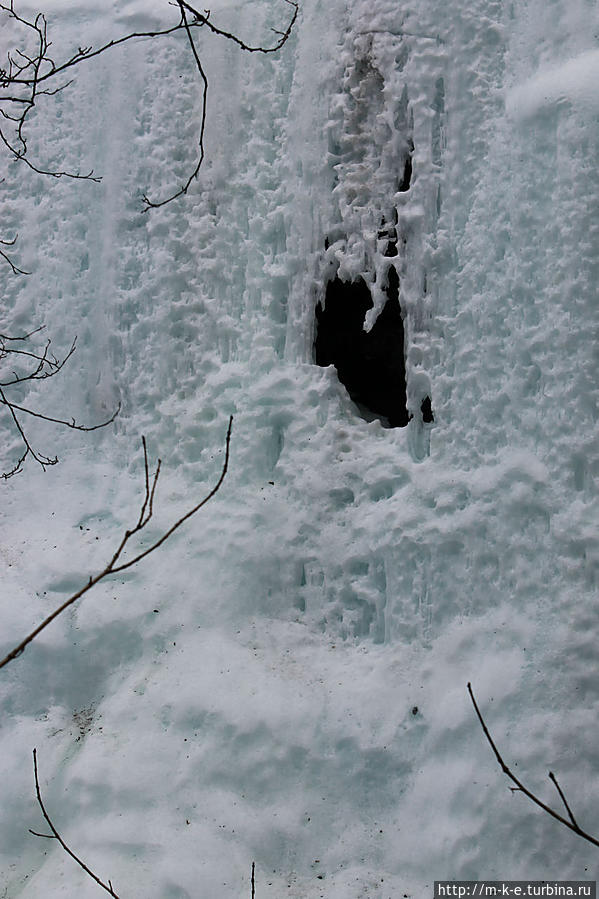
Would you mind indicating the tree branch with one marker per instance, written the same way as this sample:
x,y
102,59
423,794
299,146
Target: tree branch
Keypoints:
x,y
47,366
553,778
6,257
27,71
570,824
54,835
200,19
113,566
44,365
149,204
284,35
59,421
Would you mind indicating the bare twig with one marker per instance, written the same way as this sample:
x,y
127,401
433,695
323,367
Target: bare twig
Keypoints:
x,y
15,269
48,365
283,35
199,19
553,778
27,71
149,204
60,421
6,337
115,565
253,880
54,835
570,824
44,364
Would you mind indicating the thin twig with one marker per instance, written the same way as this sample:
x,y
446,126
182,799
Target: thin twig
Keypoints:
x,y
45,365
10,243
39,457
553,778
56,836
87,53
26,72
571,824
200,19
150,204
4,337
112,567
59,421
203,20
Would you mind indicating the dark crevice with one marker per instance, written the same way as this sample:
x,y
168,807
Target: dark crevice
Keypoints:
x,y
427,410
370,365
389,234
406,179
392,292
391,248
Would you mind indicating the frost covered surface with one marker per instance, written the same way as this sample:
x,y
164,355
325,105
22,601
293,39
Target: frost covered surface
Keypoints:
x,y
286,681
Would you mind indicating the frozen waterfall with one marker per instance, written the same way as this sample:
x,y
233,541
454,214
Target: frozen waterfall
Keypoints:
x,y
285,682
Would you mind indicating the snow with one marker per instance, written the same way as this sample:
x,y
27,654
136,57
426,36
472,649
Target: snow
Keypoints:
x,y
248,692
573,81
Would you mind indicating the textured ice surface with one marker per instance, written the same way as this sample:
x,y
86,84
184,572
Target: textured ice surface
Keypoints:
x,y
249,692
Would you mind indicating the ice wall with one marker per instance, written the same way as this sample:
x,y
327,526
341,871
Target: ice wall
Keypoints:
x,y
286,682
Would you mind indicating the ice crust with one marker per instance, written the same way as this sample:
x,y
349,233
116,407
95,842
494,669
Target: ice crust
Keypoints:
x,y
249,692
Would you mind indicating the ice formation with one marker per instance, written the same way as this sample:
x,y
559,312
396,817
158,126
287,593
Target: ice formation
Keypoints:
x,y
249,693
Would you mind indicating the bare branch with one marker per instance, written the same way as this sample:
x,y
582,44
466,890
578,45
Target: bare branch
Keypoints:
x,y
86,53
149,204
41,459
27,72
44,365
553,778
47,366
5,337
113,567
56,836
284,35
570,824
200,19
6,257
21,156
59,421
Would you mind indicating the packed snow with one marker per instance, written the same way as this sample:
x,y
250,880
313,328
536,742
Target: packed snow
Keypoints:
x,y
284,681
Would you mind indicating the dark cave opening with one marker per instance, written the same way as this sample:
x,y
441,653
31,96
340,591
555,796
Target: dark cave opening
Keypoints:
x,y
406,179
371,365
427,410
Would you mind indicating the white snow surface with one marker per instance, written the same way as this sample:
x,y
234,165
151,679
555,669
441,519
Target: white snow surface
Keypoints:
x,y
285,681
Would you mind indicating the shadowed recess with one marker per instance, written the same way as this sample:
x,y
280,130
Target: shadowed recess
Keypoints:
x,y
406,178
370,365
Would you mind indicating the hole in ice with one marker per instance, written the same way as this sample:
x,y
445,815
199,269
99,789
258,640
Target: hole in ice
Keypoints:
x,y
391,248
370,365
388,234
342,497
427,410
381,490
406,178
